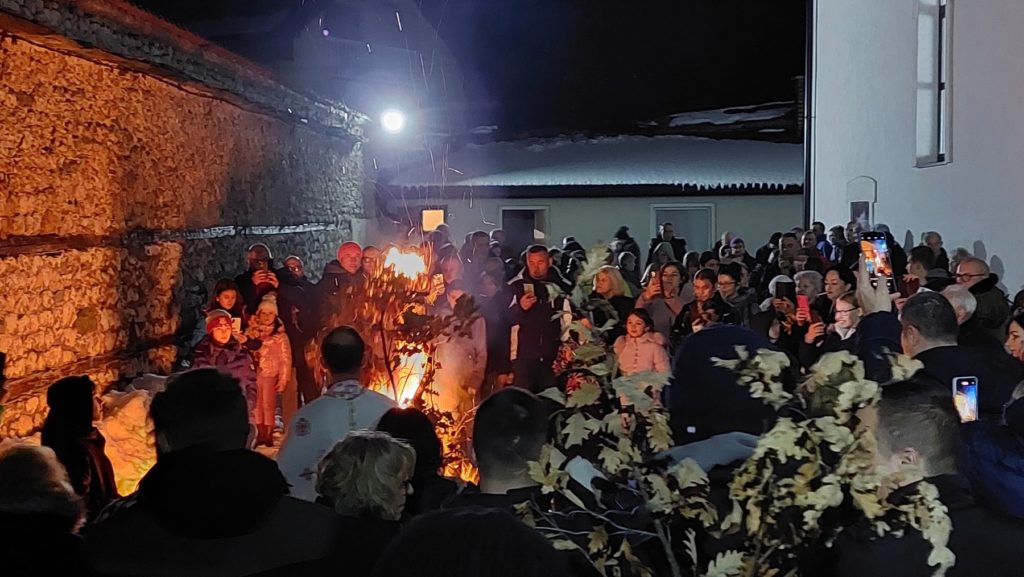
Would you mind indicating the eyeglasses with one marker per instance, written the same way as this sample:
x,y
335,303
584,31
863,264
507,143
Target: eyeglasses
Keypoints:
x,y
295,268
845,311
965,275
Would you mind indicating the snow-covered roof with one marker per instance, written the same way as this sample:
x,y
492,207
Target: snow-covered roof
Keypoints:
x,y
734,115
622,160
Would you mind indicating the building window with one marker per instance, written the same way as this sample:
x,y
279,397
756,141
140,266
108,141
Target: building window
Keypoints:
x,y
431,217
934,25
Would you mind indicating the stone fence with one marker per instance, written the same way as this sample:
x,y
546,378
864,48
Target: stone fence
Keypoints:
x,y
133,173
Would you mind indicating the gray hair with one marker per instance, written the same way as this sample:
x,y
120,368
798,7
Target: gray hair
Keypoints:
x,y
975,260
814,276
961,298
930,234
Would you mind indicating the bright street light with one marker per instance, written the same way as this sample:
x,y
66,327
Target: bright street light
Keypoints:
x,y
393,121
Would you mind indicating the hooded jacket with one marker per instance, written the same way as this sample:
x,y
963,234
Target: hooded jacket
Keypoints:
x,y
226,513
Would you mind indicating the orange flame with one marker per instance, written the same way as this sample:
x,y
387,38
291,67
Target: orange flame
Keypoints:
x,y
406,263
409,377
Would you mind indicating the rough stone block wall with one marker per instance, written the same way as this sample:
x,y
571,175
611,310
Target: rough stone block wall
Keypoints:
x,y
124,195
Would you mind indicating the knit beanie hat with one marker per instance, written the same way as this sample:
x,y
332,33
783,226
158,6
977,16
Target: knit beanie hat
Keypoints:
x,y
217,318
269,303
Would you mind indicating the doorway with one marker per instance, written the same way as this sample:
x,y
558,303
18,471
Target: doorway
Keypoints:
x,y
693,222
524,225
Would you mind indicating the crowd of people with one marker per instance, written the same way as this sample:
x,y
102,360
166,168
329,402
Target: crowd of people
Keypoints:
x,y
357,486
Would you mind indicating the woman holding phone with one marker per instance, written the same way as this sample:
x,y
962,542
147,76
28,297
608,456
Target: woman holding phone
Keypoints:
x,y
663,299
819,340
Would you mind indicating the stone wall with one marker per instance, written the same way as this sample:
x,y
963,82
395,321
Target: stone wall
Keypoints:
x,y
126,191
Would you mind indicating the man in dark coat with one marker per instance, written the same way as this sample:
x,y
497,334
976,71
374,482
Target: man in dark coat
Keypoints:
x,y
210,506
259,279
706,400
536,295
667,233
297,309
918,438
927,331
972,334
993,311
342,279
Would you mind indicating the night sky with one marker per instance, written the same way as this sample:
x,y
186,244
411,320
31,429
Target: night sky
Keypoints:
x,y
537,64
557,65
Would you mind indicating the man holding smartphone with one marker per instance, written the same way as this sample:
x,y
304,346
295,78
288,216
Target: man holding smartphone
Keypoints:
x,y
259,278
537,293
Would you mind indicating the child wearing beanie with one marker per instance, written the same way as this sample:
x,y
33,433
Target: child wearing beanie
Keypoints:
x,y
273,366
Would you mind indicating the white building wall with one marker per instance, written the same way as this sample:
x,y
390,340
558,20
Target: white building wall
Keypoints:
x,y
864,124
754,218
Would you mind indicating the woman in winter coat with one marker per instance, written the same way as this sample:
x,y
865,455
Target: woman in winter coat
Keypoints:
x,y
273,366
69,431
228,351
820,341
641,349
609,286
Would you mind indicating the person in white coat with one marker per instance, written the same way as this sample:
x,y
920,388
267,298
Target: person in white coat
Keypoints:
x,y
345,406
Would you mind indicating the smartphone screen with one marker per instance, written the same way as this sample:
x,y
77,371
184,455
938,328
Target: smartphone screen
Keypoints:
x,y
965,397
528,288
437,280
236,324
803,303
876,255
785,290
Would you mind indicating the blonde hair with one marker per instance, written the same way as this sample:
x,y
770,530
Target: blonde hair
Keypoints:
x,y
613,274
365,475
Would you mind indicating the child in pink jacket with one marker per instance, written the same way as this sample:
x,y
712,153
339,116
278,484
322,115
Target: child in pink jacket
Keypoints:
x,y
273,366
641,350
